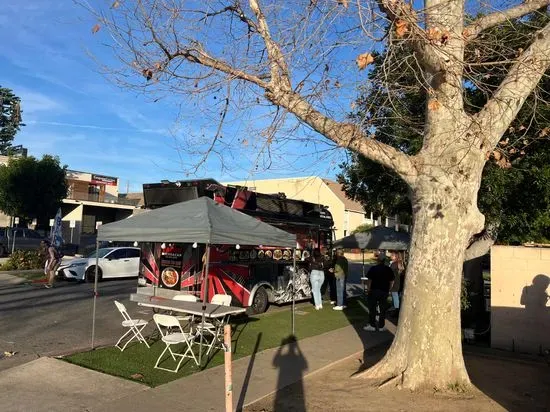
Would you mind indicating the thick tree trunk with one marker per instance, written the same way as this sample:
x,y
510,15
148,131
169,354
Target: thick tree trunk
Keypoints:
x,y
427,350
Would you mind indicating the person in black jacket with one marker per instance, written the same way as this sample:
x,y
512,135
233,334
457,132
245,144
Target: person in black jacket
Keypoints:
x,y
379,283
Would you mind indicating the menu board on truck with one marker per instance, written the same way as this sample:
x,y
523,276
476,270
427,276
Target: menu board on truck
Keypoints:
x,y
171,261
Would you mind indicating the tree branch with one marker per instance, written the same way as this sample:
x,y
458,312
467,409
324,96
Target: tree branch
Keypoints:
x,y
399,10
520,82
344,134
202,58
473,30
279,68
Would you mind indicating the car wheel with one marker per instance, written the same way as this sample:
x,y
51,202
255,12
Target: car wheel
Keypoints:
x,y
90,274
260,302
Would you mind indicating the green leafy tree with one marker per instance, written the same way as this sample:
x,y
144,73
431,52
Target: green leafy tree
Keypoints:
x,y
514,199
10,118
31,188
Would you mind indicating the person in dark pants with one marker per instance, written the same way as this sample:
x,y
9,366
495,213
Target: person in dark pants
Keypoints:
x,y
380,281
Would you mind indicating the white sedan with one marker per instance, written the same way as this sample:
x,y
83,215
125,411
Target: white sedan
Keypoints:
x,y
114,262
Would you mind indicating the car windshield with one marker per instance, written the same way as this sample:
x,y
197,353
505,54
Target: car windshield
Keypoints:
x,y
101,252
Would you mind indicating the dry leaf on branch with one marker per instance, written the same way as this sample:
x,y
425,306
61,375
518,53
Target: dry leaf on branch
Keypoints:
x,y
96,28
433,34
401,27
497,155
363,60
115,4
445,37
343,3
544,132
433,105
505,141
513,150
504,164
147,73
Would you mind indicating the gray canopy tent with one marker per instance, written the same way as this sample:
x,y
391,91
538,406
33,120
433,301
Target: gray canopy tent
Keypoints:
x,y
379,237
200,220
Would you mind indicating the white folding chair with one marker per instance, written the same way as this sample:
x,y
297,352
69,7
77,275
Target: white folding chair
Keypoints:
x,y
169,337
135,326
185,298
215,330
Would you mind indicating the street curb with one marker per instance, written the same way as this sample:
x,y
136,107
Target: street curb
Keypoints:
x,y
13,272
321,369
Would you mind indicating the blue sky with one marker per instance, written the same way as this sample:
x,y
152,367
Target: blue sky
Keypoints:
x,y
73,111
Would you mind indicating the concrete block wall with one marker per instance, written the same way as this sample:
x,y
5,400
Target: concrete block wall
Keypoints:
x,y
520,307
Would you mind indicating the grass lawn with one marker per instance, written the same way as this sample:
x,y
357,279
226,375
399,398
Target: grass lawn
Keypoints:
x,y
264,332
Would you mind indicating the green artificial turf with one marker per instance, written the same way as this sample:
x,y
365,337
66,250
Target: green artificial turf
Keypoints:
x,y
264,332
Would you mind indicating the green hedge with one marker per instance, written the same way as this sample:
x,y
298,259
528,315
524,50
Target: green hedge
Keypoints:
x,y
24,260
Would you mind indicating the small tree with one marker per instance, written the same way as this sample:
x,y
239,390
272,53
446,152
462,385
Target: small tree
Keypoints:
x,y
31,188
10,118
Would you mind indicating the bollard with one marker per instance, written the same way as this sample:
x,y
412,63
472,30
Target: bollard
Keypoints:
x,y
228,377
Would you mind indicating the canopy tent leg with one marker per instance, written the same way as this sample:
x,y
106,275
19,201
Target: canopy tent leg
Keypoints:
x,y
205,298
95,289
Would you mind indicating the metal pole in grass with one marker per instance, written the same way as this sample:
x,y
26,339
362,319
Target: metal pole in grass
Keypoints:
x,y
205,297
228,368
95,288
293,288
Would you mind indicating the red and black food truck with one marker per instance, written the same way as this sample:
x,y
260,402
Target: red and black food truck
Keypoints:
x,y
252,275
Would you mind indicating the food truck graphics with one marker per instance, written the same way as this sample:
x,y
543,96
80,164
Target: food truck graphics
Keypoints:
x,y
253,275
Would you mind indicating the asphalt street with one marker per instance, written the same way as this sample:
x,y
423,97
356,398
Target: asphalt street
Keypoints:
x,y
35,321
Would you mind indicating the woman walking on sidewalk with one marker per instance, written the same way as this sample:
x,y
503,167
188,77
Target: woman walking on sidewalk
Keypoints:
x,y
317,277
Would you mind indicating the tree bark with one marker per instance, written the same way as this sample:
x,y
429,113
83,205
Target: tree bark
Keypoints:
x,y
427,350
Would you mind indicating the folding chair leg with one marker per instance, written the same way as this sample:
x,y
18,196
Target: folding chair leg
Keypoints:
x,y
173,356
121,339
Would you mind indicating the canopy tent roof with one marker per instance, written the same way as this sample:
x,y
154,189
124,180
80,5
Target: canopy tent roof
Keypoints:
x,y
379,237
200,220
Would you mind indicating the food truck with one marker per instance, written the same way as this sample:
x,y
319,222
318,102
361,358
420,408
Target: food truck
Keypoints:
x,y
253,275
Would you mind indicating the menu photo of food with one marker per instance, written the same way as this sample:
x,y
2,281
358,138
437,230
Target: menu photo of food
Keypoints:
x,y
170,277
278,254
268,254
261,255
286,254
253,254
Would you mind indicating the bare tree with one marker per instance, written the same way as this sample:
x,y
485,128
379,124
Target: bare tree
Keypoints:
x,y
294,55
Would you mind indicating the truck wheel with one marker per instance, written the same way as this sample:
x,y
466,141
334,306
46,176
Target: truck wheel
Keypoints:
x,y
90,274
260,302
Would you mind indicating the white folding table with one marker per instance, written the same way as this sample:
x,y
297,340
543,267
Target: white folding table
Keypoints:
x,y
219,313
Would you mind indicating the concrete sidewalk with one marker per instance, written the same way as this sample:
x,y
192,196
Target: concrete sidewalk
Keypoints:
x,y
48,384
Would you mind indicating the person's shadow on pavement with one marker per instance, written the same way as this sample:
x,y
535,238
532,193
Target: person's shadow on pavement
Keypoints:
x,y
291,365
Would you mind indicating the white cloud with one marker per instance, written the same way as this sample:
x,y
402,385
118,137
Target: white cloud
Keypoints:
x,y
33,102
